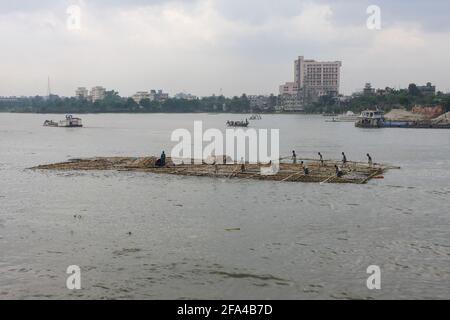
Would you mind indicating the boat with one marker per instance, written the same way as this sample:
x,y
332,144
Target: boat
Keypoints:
x,y
329,114
255,117
50,123
68,122
349,116
238,123
370,119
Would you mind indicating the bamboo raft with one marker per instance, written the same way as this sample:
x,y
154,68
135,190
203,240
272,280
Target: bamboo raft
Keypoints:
x,y
353,172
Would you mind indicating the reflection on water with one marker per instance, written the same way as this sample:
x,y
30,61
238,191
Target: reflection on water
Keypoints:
x,y
138,235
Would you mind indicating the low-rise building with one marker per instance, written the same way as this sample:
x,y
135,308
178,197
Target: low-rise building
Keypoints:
x,y
368,90
292,102
427,90
185,96
260,102
289,88
140,95
158,95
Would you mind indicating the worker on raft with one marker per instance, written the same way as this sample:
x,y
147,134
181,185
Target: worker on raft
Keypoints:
x,y
339,172
161,162
306,170
344,159
294,157
242,165
304,167
321,159
369,159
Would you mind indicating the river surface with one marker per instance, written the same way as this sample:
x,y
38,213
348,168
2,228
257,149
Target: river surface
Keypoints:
x,y
149,236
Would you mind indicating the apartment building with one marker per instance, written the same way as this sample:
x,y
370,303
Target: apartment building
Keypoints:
x,y
82,93
140,95
97,93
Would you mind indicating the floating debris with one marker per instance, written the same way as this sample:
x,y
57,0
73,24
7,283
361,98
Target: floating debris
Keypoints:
x,y
233,229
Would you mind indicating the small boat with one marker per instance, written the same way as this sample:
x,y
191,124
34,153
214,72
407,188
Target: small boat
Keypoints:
x,y
255,117
69,122
347,117
50,123
329,114
238,123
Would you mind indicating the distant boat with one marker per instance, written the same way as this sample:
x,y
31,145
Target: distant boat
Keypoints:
x,y
238,123
69,122
255,117
329,114
349,116
50,123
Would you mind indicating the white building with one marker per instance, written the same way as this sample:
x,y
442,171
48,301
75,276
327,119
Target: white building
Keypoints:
x,y
82,93
140,95
289,88
185,96
314,78
258,101
97,93
158,95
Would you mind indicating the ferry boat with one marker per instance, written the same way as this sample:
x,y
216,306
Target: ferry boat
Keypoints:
x,y
69,122
370,119
375,119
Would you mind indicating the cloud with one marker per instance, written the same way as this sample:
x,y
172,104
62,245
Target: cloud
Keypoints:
x,y
202,46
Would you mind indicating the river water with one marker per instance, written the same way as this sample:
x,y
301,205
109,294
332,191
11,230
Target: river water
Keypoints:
x,y
149,236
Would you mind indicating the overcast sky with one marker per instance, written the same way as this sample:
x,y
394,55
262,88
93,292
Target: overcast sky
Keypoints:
x,y
205,46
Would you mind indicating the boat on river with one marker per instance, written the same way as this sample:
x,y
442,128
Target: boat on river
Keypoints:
x,y
238,123
370,119
68,122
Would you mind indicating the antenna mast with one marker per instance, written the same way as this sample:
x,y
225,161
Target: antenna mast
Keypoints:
x,y
49,92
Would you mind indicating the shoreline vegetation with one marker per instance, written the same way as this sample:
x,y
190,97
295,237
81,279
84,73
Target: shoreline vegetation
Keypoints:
x,y
113,103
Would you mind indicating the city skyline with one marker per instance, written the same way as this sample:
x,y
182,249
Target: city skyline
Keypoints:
x,y
210,47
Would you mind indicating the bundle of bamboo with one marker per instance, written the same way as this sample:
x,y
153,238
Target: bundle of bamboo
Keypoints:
x,y
352,172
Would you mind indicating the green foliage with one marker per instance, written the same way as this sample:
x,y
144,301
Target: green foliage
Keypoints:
x,y
388,100
113,103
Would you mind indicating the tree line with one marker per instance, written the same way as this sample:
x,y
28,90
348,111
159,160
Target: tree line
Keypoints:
x,y
389,99
113,103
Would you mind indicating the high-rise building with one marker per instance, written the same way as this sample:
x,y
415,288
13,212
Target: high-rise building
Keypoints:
x,y
98,93
317,77
81,93
314,78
